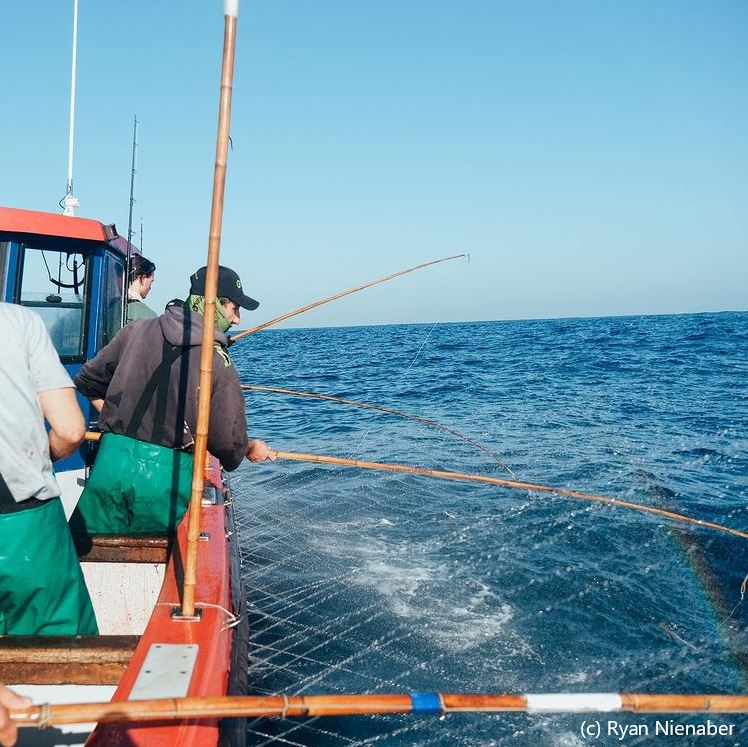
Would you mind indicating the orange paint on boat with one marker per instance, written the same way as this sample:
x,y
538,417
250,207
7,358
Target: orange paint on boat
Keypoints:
x,y
37,223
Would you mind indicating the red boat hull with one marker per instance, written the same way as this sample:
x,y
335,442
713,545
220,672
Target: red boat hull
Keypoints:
x,y
211,633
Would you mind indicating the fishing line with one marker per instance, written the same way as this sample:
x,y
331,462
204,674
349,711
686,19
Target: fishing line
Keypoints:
x,y
355,403
418,352
465,477
402,376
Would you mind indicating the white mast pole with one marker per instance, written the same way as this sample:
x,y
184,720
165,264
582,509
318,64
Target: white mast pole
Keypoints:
x,y
70,202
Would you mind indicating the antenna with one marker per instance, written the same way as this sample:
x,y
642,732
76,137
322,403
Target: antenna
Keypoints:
x,y
133,171
132,180
69,203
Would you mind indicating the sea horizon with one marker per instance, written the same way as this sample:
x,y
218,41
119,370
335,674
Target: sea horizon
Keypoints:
x,y
280,326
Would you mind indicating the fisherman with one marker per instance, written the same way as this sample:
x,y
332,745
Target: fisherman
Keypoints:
x,y
145,385
42,591
140,279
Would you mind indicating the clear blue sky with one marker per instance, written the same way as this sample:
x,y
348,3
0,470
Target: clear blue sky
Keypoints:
x,y
592,156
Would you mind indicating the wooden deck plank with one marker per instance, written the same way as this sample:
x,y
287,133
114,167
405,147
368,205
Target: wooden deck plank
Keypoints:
x,y
104,548
59,660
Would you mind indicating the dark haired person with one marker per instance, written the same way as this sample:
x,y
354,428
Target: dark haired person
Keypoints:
x,y
145,384
140,279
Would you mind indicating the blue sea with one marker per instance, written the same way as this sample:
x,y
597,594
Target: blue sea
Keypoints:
x,y
363,581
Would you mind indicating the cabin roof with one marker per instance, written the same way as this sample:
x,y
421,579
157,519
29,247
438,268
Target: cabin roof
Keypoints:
x,y
50,224
37,223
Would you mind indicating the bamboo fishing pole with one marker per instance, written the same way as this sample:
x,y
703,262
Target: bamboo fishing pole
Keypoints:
x,y
378,408
348,292
464,477
252,706
231,9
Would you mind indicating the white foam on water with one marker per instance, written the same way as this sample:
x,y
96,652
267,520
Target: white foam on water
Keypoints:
x,y
459,614
574,678
567,739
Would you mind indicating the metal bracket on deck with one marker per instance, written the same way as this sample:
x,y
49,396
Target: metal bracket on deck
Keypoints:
x,y
176,614
166,671
210,496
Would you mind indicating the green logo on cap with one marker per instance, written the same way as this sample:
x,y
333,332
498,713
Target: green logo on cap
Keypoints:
x,y
238,284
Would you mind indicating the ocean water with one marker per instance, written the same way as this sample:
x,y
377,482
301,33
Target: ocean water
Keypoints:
x,y
364,581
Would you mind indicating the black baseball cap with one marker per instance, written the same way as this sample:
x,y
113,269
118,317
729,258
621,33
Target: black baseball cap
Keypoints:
x,y
229,286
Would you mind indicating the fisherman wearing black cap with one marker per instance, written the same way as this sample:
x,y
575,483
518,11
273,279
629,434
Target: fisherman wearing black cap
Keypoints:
x,y
145,385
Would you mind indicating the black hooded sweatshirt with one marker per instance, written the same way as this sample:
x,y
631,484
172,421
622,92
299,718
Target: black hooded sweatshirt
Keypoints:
x,y
121,371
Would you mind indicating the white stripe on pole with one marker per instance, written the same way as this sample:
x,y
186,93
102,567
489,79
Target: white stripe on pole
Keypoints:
x,y
573,702
231,8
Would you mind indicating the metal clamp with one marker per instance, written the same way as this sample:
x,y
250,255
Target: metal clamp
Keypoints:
x,y
176,614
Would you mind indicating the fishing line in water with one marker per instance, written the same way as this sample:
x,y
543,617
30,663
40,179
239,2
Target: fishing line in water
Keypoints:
x,y
402,376
357,447
465,477
430,423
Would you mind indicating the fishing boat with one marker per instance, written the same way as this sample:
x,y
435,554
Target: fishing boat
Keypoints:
x,y
170,665
70,271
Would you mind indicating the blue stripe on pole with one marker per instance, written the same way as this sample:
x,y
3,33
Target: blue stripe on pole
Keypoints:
x,y
426,702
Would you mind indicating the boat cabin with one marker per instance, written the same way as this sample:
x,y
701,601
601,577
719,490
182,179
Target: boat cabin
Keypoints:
x,y
71,271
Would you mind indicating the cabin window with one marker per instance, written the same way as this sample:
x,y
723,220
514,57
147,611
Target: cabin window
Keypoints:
x,y
111,299
53,285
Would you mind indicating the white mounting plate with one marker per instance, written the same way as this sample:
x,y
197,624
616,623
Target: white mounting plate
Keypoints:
x,y
166,671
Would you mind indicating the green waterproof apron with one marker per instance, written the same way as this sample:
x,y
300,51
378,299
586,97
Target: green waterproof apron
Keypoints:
x,y
136,487
42,591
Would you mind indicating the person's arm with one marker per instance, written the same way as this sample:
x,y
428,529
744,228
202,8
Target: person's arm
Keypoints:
x,y
54,390
8,730
227,438
227,432
61,411
93,380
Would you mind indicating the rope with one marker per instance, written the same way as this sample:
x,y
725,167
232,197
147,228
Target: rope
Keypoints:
x,y
44,719
232,620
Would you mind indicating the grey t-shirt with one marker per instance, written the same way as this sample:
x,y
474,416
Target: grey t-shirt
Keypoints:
x,y
28,364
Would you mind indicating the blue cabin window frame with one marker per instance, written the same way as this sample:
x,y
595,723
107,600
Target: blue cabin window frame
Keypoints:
x,y
59,246
108,306
5,250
